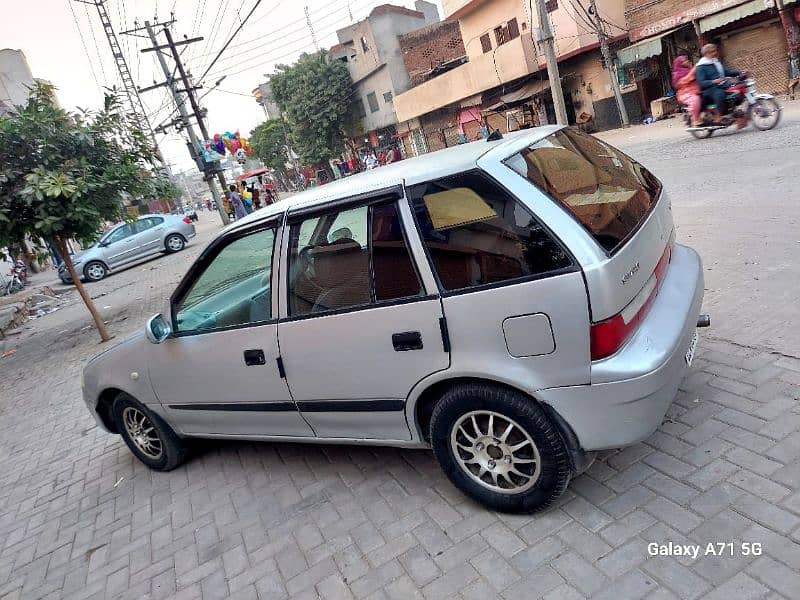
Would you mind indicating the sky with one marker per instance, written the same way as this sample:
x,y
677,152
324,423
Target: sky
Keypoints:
x,y
64,43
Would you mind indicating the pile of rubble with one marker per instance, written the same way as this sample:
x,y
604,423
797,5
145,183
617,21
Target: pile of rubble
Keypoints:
x,y
29,304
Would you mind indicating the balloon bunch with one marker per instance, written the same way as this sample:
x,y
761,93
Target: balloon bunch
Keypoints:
x,y
234,143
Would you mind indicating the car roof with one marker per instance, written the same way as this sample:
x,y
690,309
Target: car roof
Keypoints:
x,y
417,169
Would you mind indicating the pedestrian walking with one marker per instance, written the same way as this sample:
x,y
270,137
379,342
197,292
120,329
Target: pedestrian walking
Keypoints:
x,y
236,203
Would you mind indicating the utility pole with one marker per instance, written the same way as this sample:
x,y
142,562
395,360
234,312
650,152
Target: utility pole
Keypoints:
x,y
612,72
194,143
548,44
135,105
198,114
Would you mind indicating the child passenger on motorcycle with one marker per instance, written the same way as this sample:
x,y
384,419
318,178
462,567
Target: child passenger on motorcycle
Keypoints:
x,y
686,88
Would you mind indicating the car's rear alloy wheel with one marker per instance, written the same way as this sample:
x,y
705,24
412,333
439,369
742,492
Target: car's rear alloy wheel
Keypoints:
x,y
499,447
174,243
148,437
95,271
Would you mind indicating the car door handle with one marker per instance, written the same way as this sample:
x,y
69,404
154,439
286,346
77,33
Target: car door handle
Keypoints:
x,y
408,340
254,357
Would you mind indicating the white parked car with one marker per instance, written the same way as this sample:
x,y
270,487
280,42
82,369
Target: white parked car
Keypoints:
x,y
515,304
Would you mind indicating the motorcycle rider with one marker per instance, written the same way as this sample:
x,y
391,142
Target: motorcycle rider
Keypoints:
x,y
710,74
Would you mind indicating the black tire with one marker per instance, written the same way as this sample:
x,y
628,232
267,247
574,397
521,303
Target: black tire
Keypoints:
x,y
173,450
95,271
554,470
174,243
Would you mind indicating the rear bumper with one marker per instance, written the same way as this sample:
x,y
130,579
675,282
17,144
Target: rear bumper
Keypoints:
x,y
632,389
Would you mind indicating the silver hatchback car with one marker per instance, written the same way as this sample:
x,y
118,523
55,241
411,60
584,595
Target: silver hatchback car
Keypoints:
x,y
129,242
515,304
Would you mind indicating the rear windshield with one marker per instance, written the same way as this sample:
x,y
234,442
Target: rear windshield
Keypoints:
x,y
607,191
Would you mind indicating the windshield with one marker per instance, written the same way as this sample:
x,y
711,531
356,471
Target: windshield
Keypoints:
x,y
609,193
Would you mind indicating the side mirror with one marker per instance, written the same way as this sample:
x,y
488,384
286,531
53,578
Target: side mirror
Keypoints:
x,y
103,244
157,329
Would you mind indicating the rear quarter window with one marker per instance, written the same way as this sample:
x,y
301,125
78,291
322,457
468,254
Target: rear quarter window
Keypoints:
x,y
609,193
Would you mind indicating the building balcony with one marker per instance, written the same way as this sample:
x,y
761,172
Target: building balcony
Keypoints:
x,y
506,63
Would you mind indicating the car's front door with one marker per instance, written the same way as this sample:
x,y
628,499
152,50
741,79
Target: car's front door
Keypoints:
x,y
120,245
218,373
359,329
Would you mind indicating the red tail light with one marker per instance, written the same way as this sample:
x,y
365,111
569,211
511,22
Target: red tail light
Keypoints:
x,y
187,220
608,336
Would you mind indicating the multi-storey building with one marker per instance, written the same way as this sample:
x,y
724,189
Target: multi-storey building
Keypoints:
x,y
371,50
502,84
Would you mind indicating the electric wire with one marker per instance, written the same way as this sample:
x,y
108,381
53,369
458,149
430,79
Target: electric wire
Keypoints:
x,y
85,48
230,39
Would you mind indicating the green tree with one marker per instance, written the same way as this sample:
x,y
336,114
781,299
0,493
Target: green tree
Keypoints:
x,y
315,96
269,142
63,174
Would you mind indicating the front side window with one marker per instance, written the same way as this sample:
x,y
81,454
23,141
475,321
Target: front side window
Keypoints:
x,y
609,193
477,233
349,258
233,289
119,234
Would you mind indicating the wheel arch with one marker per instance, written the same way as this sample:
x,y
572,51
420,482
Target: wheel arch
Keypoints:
x,y
103,407
424,401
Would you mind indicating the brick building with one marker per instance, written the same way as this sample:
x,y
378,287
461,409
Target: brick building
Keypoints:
x,y
756,35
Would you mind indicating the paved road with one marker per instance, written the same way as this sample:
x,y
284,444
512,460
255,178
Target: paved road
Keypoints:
x,y
735,198
80,518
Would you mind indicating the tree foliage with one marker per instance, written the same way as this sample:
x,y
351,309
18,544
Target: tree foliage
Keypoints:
x,y
269,142
315,95
63,174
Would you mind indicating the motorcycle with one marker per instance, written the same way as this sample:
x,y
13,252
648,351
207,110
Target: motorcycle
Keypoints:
x,y
20,270
744,105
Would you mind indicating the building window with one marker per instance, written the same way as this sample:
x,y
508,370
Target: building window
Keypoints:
x,y
364,44
506,32
359,108
501,35
387,97
372,100
486,43
551,5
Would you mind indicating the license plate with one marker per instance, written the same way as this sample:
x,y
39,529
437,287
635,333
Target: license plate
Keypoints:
x,y
690,351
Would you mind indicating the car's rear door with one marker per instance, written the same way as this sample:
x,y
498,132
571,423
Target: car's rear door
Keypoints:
x,y
358,329
150,231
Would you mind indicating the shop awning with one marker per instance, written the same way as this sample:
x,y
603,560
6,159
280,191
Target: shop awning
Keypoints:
x,y
734,14
526,91
641,50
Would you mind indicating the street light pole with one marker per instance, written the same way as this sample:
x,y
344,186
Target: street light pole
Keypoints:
x,y
548,44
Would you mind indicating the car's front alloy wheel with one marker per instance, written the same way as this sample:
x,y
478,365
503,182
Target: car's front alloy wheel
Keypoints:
x,y
499,447
147,436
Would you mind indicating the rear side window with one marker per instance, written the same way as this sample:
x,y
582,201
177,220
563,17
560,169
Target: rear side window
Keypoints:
x,y
476,233
608,192
349,258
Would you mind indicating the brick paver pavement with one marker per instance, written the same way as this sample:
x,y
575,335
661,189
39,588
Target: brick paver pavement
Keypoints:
x,y
81,518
